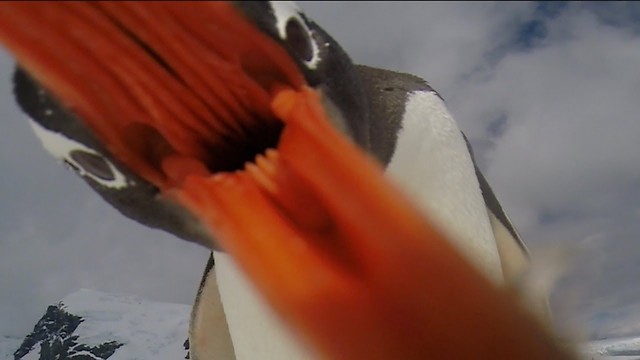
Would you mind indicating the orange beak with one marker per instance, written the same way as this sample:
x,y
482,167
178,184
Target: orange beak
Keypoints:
x,y
176,91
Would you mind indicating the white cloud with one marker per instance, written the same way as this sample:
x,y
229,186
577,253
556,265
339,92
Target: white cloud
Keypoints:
x,y
571,126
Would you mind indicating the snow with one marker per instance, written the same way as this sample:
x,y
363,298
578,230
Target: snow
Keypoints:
x,y
8,346
32,355
148,330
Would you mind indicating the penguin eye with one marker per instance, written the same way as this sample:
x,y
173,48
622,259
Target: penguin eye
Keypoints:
x,y
298,39
294,31
82,159
93,164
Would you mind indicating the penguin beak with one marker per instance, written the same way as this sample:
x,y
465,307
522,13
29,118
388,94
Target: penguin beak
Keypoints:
x,y
196,100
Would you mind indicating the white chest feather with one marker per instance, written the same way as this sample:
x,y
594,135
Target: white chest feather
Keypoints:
x,y
432,164
256,331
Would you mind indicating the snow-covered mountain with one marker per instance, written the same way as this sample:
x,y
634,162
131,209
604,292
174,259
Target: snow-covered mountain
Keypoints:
x,y
90,325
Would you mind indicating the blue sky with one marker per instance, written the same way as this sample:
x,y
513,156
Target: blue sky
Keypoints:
x,y
547,94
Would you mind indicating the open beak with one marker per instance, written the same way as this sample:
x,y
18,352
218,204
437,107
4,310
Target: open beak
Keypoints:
x,y
194,99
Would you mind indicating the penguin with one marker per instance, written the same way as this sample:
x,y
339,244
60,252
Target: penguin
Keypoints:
x,y
294,146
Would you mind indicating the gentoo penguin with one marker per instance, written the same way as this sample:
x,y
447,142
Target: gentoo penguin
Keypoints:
x,y
244,127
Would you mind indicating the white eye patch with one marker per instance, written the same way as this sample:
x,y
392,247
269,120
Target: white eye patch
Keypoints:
x,y
292,28
84,160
